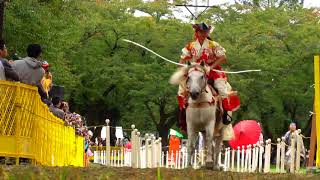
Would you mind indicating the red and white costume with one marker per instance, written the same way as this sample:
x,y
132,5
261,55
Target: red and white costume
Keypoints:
x,y
196,53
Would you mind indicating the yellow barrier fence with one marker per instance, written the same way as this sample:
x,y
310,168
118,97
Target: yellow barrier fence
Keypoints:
x,y
29,130
317,104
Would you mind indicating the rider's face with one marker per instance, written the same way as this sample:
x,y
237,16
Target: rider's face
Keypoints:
x,y
202,35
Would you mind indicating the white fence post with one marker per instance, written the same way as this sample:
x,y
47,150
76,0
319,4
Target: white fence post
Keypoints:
x,y
278,155
238,159
232,160
159,152
246,161
108,143
171,160
261,149
298,139
225,159
133,146
167,159
146,145
162,159
283,151
195,166
152,158
254,158
242,159
250,158
267,156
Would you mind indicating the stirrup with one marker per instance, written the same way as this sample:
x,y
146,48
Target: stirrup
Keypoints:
x,y
226,118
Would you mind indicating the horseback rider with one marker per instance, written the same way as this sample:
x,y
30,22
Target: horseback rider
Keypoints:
x,y
204,49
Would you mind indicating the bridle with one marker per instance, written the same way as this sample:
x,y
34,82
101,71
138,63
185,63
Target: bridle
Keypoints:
x,y
203,89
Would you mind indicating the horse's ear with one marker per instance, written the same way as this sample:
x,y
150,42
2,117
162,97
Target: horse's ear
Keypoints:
x,y
188,63
202,63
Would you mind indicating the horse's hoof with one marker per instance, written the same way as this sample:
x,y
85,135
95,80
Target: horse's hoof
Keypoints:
x,y
209,165
217,168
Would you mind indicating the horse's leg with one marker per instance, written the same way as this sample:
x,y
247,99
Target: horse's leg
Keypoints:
x,y
217,149
210,144
191,144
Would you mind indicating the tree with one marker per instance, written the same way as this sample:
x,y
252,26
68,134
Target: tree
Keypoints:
x,y
106,77
2,7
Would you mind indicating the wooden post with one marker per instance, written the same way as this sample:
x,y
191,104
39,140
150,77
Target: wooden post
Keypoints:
x,y
317,104
278,156
313,139
298,140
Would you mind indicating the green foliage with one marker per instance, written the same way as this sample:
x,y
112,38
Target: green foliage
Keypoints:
x,y
105,77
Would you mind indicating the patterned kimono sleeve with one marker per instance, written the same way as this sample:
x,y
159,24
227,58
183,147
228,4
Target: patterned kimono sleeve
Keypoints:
x,y
186,53
219,50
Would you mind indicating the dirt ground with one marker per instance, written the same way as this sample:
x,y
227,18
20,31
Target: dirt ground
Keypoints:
x,y
70,173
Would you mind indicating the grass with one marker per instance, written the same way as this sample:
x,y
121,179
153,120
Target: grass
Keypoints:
x,y
102,172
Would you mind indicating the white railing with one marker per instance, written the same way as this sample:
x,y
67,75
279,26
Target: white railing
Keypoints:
x,y
253,158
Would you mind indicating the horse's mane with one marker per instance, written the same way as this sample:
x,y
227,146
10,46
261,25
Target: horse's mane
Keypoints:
x,y
180,74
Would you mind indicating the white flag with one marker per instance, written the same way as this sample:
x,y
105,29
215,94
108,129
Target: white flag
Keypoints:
x,y
119,132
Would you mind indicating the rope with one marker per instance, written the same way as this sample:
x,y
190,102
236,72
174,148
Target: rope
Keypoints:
x,y
109,126
33,113
184,65
137,44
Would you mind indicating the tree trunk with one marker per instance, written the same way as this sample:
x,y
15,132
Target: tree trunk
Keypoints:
x,y
2,5
163,133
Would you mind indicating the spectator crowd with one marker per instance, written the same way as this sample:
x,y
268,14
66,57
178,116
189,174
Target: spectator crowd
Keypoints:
x,y
33,71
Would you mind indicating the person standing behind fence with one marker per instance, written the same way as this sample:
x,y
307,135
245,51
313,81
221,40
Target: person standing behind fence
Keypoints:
x,y
2,75
30,68
6,70
287,140
46,81
55,108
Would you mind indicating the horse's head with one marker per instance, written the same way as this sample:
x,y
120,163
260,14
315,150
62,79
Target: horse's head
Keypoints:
x,y
194,76
196,80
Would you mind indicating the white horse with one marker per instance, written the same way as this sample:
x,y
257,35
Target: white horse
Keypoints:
x,y
200,112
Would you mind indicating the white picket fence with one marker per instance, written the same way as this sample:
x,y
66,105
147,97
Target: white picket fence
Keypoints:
x,y
253,158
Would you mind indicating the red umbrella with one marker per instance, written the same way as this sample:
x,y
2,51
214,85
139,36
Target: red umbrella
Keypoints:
x,y
245,132
128,145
